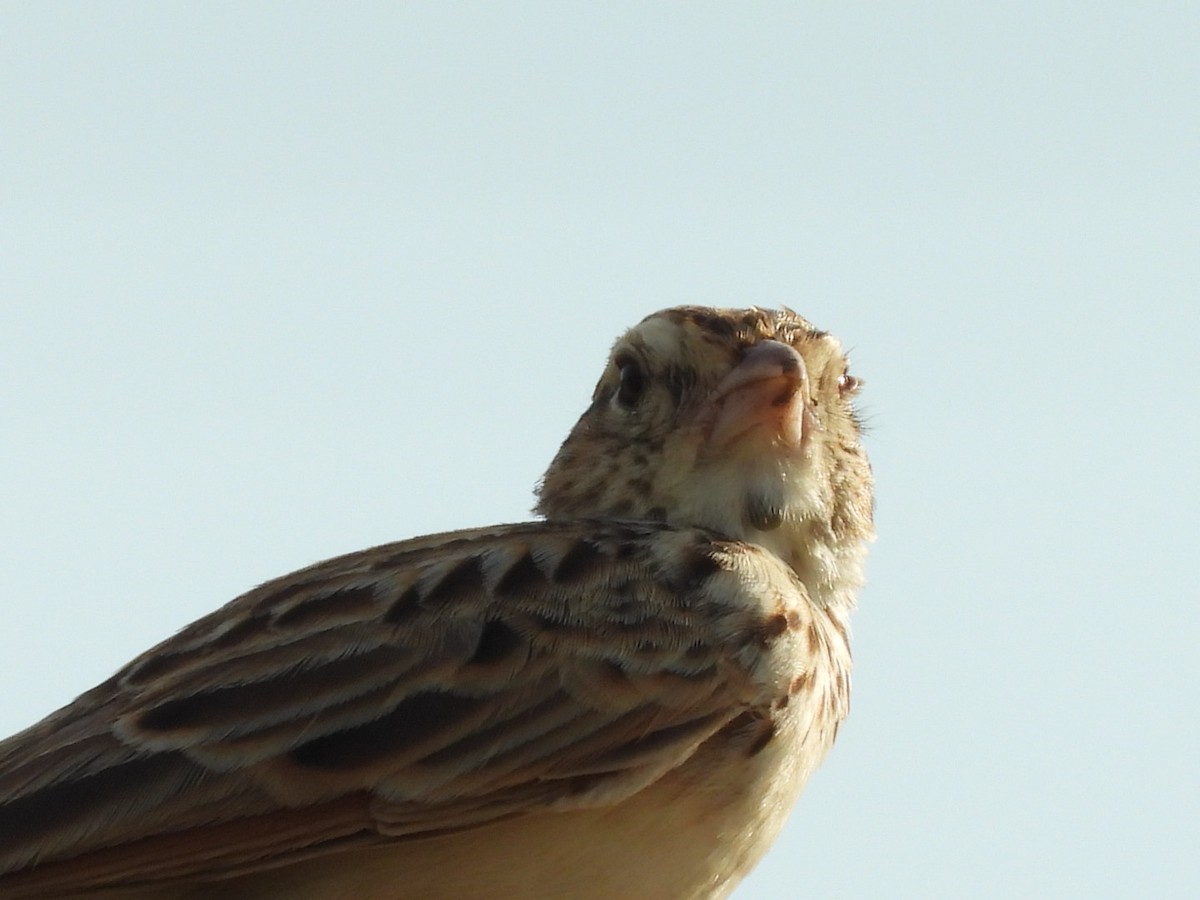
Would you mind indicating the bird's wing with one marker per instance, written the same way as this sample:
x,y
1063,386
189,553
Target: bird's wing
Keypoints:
x,y
417,688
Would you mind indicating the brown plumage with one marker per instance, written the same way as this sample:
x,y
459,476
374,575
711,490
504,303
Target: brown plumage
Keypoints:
x,y
621,700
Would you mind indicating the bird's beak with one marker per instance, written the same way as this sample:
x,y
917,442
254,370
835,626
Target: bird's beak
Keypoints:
x,y
767,393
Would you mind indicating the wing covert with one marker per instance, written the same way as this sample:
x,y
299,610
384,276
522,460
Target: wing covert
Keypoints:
x,y
415,688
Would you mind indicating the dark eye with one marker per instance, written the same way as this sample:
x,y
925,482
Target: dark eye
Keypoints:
x,y
848,385
633,382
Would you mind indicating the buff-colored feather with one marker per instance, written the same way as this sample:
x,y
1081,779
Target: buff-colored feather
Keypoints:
x,y
621,700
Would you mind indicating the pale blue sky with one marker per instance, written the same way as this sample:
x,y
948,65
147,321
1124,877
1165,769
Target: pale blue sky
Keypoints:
x,y
280,281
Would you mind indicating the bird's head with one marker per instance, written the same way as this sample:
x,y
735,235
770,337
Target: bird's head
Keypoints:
x,y
739,421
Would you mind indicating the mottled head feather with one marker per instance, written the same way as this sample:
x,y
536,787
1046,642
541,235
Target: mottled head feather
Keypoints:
x,y
646,427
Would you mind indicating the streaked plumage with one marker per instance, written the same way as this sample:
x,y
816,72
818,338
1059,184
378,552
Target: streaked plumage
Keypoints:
x,y
621,700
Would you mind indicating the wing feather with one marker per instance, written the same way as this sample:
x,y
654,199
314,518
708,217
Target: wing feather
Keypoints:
x,y
412,689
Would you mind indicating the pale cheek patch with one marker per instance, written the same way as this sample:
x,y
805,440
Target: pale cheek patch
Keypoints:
x,y
663,341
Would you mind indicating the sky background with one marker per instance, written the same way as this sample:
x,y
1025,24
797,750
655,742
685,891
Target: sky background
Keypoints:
x,y
280,281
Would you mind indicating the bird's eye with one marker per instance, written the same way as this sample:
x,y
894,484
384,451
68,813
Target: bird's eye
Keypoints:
x,y
633,382
848,385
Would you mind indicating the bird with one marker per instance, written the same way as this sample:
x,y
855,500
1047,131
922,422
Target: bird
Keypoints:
x,y
620,698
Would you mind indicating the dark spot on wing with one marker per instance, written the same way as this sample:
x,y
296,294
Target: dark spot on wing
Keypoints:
x,y
406,607
235,634
248,702
28,820
521,576
482,738
496,642
582,559
158,665
186,712
357,600
402,558
270,595
697,566
419,719
466,575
